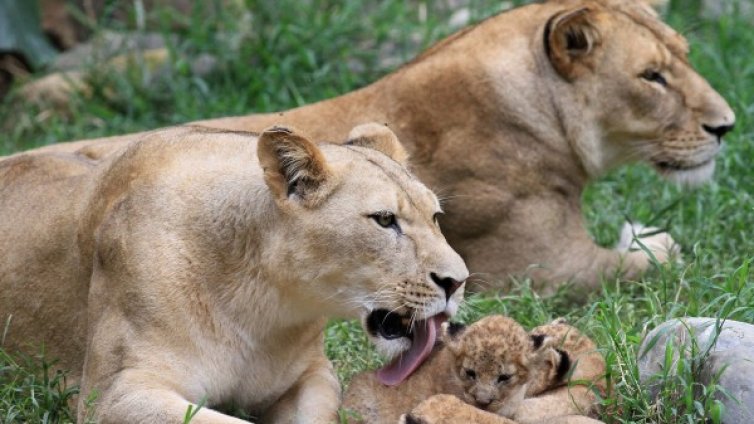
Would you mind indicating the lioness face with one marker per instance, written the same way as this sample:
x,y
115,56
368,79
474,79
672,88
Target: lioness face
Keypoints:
x,y
634,74
367,234
401,276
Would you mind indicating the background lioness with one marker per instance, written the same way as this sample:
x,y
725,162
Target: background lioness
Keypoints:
x,y
512,118
198,263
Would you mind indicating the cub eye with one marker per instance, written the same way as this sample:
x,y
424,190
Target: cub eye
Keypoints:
x,y
470,374
503,378
654,76
385,219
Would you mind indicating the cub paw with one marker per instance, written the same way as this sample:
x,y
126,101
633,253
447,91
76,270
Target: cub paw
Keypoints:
x,y
660,243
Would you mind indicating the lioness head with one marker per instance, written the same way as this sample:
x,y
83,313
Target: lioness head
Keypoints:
x,y
366,238
629,73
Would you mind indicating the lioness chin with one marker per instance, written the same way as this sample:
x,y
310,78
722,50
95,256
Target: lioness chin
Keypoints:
x,y
513,117
208,261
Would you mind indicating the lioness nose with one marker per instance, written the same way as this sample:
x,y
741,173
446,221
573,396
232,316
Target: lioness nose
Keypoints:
x,y
718,131
448,284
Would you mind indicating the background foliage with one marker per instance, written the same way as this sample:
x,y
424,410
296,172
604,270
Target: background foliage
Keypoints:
x,y
277,55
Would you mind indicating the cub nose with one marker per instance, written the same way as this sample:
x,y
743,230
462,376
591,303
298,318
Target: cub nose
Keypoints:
x,y
483,403
448,284
718,131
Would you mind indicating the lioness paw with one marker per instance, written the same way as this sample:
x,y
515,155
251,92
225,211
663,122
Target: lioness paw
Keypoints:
x,y
660,243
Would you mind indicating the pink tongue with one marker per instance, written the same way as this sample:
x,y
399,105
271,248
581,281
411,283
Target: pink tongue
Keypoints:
x,y
425,334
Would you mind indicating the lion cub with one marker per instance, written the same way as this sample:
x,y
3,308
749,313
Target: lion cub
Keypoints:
x,y
568,388
549,398
487,364
448,409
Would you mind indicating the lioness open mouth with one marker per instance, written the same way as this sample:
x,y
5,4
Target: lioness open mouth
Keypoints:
x,y
674,166
423,335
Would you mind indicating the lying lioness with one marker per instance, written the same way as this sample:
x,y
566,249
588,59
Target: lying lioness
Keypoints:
x,y
511,119
211,260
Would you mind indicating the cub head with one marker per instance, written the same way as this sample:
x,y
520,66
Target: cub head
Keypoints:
x,y
631,90
575,356
360,238
493,359
555,367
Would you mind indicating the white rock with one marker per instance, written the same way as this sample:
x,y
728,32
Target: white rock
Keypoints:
x,y
732,353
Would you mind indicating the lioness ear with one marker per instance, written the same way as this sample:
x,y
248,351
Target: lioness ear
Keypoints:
x,y
570,38
294,167
380,138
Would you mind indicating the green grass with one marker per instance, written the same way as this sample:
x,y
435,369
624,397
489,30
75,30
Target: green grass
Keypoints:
x,y
289,53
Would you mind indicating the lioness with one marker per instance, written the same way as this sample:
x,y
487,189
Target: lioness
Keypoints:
x,y
511,118
211,260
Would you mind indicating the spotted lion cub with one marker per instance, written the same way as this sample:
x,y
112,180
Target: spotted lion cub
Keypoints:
x,y
569,388
561,390
486,364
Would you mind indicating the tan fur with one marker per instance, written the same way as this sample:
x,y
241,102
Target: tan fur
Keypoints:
x,y
489,348
448,409
550,397
182,267
511,125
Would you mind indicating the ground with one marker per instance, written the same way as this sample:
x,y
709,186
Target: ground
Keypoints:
x,y
286,53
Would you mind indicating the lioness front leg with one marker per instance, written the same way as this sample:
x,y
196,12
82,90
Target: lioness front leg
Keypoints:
x,y
581,260
313,399
144,397
543,237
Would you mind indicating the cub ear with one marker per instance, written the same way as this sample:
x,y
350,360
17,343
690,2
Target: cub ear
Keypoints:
x,y
537,340
570,39
294,167
378,137
450,332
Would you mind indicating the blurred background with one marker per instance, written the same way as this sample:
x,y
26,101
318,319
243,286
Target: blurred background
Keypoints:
x,y
89,68
113,66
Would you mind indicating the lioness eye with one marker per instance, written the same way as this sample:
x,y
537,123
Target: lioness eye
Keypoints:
x,y
385,219
503,378
470,373
436,217
654,76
